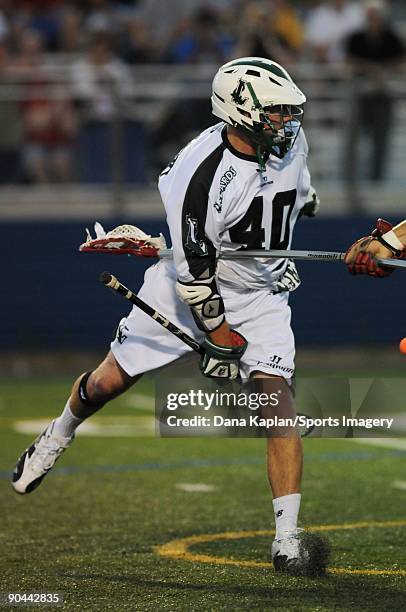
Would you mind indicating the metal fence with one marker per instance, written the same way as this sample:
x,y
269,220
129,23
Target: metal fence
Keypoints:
x,y
126,124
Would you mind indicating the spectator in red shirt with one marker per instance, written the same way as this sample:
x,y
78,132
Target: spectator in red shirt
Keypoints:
x,y
48,116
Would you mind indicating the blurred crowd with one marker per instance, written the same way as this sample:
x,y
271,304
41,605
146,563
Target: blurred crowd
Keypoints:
x,y
54,123
188,31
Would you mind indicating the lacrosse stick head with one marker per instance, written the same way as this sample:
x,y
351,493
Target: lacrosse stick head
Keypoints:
x,y
124,240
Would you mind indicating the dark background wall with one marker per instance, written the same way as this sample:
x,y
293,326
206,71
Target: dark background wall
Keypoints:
x,y
51,297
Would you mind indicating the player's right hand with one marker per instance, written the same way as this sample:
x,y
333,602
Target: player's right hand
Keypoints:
x,y
223,361
361,257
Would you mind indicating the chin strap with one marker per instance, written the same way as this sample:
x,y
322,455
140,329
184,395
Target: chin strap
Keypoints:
x,y
261,164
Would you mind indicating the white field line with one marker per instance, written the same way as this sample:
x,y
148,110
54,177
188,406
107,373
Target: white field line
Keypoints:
x,y
195,487
140,401
398,443
118,427
399,484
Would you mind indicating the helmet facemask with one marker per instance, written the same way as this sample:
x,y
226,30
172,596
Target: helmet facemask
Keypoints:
x,y
277,128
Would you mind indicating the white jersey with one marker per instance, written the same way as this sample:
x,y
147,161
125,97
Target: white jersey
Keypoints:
x,y
216,200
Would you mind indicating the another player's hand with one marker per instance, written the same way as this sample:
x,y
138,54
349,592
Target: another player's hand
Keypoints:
x,y
361,257
223,361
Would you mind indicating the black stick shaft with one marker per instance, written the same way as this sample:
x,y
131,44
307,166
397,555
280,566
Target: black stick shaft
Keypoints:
x,y
111,281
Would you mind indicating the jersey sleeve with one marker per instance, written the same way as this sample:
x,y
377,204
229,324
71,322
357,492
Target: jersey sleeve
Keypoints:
x,y
195,256
195,235
195,232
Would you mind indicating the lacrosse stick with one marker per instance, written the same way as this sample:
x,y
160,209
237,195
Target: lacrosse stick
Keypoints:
x,y
292,254
109,280
130,240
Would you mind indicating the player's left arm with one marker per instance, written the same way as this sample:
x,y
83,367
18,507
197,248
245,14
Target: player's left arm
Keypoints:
x,y
311,205
195,261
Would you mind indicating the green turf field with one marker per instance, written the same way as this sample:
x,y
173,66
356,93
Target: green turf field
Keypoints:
x,y
115,526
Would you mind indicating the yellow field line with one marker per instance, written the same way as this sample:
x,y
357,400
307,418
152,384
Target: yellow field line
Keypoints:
x,y
179,549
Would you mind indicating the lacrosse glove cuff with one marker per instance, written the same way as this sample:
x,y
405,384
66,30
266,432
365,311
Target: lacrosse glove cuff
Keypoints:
x,y
386,236
223,361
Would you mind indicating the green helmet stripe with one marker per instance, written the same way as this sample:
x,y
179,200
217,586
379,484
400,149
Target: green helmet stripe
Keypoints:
x,y
257,103
270,67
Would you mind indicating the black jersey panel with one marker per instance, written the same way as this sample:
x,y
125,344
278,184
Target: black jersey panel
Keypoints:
x,y
199,250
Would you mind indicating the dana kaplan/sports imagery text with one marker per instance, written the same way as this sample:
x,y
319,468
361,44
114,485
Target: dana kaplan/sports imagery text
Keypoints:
x,y
258,421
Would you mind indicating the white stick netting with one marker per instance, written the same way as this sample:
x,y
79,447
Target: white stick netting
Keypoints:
x,y
127,233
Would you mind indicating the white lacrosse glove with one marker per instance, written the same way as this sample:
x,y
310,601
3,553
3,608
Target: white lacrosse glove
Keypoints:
x,y
289,281
223,361
312,204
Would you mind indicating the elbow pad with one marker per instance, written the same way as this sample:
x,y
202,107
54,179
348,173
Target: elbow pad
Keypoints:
x,y
205,302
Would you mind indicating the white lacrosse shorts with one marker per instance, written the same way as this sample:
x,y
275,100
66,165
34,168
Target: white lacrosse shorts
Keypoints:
x,y
142,345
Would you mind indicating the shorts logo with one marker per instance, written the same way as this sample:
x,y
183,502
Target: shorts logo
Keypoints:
x,y
224,183
274,362
120,335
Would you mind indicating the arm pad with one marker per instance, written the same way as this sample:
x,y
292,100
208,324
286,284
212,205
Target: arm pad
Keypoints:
x,y
205,302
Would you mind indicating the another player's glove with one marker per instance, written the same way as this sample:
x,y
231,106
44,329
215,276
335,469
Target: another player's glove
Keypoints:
x,y
312,204
361,256
223,361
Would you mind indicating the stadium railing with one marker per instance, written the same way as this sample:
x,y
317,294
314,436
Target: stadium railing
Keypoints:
x,y
129,145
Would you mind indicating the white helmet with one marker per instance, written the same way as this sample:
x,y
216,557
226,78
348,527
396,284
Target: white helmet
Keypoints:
x,y
247,91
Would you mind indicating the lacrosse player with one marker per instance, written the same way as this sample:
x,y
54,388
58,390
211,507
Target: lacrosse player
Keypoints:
x,y
384,242
241,184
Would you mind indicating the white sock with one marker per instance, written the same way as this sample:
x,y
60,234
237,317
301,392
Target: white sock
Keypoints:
x,y
66,424
286,510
